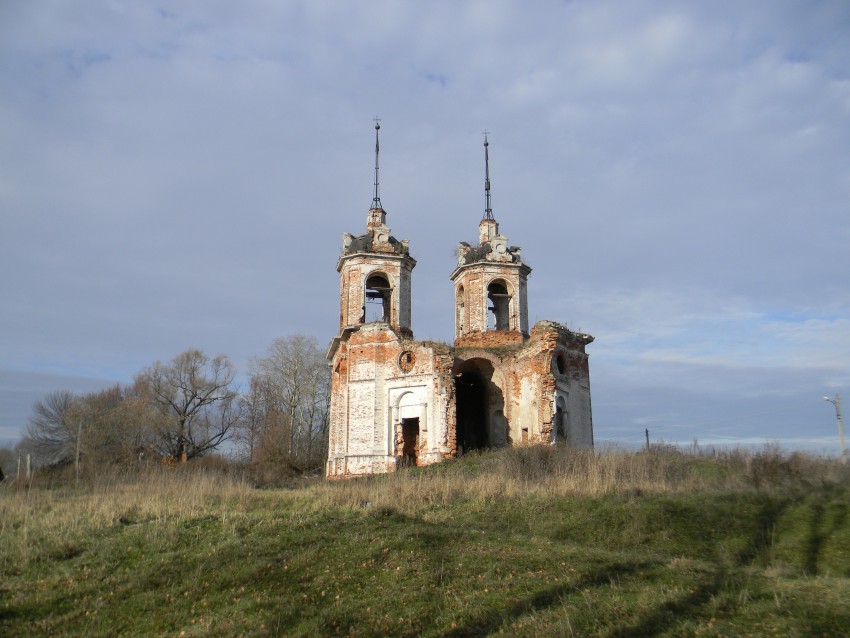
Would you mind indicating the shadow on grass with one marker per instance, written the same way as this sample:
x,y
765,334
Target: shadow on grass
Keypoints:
x,y
761,541
693,606
665,616
814,541
490,620
819,533
673,612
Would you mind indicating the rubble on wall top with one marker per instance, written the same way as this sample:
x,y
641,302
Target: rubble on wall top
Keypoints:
x,y
488,251
478,253
546,324
372,243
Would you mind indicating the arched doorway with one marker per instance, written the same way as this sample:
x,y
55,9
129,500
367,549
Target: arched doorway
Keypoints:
x,y
479,407
410,442
410,428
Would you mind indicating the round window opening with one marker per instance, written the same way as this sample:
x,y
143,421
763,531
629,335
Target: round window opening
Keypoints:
x,y
406,360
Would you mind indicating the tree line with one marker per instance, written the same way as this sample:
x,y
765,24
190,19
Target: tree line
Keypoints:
x,y
190,407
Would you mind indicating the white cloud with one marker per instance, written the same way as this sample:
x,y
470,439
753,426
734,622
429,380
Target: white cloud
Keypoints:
x,y
676,174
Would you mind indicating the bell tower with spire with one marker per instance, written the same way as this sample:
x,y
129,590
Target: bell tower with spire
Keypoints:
x,y
387,408
375,270
490,281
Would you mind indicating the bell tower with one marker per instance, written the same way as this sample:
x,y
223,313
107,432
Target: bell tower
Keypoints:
x,y
490,281
375,271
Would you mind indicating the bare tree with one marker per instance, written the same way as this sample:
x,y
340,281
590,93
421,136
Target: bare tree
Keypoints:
x,y
106,427
195,403
316,412
52,435
292,384
115,423
259,416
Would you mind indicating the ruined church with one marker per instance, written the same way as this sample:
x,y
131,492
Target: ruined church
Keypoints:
x,y
399,402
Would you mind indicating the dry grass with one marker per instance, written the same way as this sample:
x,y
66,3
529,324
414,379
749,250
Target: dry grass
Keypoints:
x,y
34,519
523,473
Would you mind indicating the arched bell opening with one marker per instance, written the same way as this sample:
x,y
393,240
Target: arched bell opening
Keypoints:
x,y
377,298
500,305
460,311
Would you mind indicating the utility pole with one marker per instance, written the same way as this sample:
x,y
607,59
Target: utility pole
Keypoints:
x,y
837,403
647,439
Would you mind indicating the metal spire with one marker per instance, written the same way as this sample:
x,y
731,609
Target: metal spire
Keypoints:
x,y
376,201
488,209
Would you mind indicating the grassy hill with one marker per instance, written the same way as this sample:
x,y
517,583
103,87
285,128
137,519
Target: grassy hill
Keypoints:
x,y
521,542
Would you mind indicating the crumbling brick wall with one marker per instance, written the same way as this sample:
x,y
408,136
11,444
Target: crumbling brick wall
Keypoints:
x,y
380,378
532,382
368,381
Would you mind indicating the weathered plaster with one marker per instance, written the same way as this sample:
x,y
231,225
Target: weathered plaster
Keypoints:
x,y
386,384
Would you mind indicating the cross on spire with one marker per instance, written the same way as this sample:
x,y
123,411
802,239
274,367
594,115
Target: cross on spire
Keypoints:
x,y
376,200
488,209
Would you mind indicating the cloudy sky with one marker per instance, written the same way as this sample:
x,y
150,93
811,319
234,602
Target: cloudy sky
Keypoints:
x,y
178,175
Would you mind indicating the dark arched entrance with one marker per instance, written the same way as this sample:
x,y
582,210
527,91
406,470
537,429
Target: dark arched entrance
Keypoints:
x,y
478,400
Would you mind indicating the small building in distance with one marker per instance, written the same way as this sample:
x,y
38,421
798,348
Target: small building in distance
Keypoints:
x,y
399,402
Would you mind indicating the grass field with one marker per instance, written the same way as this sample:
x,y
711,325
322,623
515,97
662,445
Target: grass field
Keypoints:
x,y
521,542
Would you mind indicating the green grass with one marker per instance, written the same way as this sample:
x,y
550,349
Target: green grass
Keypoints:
x,y
187,554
